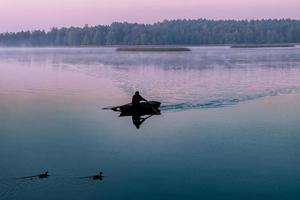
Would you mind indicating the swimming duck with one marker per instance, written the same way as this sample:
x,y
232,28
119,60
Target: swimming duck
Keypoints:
x,y
98,176
44,175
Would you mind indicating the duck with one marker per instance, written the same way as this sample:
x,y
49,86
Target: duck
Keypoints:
x,y
98,176
44,175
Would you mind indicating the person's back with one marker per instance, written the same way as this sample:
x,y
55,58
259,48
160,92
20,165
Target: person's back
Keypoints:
x,y
136,99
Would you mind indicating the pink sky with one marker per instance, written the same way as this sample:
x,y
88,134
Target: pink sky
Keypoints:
x,y
18,15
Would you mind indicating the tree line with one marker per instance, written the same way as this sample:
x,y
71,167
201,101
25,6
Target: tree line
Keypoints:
x,y
168,32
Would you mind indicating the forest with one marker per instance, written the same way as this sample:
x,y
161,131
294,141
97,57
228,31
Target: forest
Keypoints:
x,y
168,32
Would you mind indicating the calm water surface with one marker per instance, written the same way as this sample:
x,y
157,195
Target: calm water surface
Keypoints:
x,y
222,134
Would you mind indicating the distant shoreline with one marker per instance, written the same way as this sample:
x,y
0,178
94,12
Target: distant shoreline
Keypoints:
x,y
261,45
138,47
168,32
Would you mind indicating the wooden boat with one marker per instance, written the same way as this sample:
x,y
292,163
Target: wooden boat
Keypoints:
x,y
145,108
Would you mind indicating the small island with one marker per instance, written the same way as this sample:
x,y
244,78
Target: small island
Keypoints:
x,y
153,48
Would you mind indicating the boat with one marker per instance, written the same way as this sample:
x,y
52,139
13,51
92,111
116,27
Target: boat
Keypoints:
x,y
145,108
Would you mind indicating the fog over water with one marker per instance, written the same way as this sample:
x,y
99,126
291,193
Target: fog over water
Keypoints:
x,y
203,78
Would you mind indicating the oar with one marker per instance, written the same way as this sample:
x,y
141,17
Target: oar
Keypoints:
x,y
112,108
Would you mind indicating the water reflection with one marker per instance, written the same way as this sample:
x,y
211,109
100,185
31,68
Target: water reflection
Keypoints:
x,y
141,114
138,120
50,105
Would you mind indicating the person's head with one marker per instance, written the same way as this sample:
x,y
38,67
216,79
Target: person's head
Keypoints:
x,y
137,93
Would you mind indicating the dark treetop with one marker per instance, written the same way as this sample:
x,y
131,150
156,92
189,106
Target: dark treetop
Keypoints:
x,y
174,32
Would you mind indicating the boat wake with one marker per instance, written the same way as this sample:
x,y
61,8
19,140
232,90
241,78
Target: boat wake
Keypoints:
x,y
223,102
188,105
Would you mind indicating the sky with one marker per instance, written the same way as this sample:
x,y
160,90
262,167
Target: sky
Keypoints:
x,y
17,15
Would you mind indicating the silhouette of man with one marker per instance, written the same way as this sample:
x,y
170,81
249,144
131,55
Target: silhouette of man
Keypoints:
x,y
136,99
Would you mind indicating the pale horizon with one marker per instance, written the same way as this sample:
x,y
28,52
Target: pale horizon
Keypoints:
x,y
17,15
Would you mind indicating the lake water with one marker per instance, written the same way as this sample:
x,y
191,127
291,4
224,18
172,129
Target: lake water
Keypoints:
x,y
229,127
